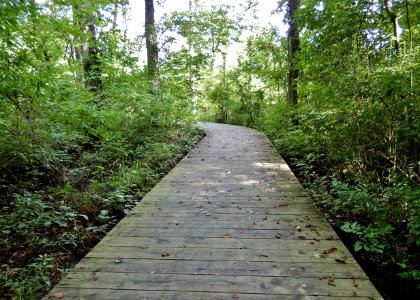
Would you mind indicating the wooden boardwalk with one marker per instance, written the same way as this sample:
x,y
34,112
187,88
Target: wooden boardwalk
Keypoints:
x,y
230,221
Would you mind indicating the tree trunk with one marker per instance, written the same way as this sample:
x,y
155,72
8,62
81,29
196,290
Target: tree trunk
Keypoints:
x,y
151,40
293,53
78,22
394,19
91,63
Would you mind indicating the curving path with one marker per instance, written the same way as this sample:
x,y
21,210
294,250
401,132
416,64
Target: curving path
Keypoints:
x,y
230,221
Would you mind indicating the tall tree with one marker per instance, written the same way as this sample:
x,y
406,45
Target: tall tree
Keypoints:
x,y
293,52
394,19
91,62
151,39
86,43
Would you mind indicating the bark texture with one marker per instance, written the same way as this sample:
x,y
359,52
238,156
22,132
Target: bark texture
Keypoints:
x,y
293,53
151,40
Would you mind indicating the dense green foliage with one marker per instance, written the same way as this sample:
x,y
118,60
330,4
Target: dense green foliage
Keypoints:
x,y
354,137
75,154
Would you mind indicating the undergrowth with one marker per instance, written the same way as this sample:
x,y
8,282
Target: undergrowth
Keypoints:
x,y
51,217
372,203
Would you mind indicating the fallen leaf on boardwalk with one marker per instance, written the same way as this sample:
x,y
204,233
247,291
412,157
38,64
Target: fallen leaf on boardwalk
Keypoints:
x,y
165,254
235,297
59,295
354,283
329,238
301,252
279,235
329,250
340,261
218,298
331,281
227,236
93,276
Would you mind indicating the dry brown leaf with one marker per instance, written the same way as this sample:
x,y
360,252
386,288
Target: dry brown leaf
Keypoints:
x,y
331,281
329,250
235,297
227,236
354,283
279,235
340,261
59,295
218,298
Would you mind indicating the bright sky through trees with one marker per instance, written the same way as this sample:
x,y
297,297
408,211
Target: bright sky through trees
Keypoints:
x,y
264,18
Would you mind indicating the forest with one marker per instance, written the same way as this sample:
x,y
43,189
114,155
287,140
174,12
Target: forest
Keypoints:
x,y
87,128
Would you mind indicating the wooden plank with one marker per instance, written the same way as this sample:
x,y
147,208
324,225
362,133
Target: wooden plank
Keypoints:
x,y
229,203
190,254
220,232
221,284
222,224
228,268
107,294
303,219
319,246
228,210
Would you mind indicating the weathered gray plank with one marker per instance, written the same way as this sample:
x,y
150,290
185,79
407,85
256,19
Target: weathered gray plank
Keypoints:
x,y
219,233
319,246
107,294
189,254
229,222
264,285
214,267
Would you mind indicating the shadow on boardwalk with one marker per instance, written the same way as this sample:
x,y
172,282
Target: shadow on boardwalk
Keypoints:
x,y
230,221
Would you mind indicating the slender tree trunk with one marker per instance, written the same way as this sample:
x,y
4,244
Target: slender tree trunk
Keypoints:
x,y
410,39
114,16
78,22
151,40
410,34
394,19
293,53
91,63
191,83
